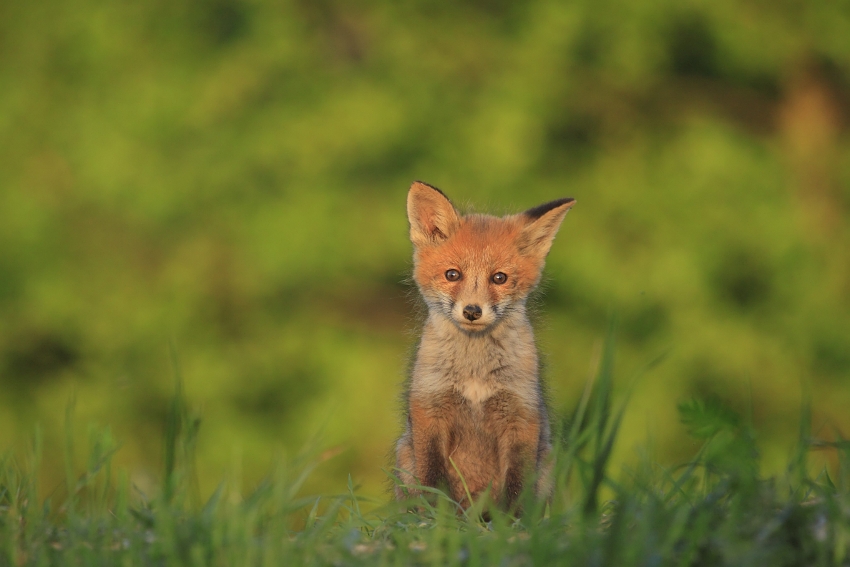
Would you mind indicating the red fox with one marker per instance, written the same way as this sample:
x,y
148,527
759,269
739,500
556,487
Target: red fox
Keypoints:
x,y
476,416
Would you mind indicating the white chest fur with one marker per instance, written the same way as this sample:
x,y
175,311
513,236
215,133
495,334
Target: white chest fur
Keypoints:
x,y
478,391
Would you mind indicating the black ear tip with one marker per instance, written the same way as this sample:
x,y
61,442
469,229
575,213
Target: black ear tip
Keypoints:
x,y
541,210
417,182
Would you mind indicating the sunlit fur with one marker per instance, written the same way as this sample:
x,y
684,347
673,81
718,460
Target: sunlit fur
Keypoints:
x,y
474,403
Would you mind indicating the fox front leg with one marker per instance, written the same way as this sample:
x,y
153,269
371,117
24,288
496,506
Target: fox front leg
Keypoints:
x,y
424,466
518,438
428,444
517,469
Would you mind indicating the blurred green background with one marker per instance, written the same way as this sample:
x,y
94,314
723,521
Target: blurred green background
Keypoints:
x,y
230,177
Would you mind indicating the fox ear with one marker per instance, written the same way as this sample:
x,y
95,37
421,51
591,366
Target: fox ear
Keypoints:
x,y
542,224
432,216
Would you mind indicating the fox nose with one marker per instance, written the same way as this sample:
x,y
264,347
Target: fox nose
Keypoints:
x,y
472,312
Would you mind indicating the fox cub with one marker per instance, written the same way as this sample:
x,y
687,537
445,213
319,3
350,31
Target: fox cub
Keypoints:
x,y
475,409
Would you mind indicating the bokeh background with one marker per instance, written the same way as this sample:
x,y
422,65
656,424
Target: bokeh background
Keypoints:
x,y
229,177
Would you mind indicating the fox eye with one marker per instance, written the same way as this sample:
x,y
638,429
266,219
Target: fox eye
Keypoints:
x,y
499,278
452,275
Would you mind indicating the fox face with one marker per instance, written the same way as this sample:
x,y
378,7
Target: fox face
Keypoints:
x,y
475,270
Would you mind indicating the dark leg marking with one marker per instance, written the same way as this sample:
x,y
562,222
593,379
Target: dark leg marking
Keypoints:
x,y
513,485
514,477
435,465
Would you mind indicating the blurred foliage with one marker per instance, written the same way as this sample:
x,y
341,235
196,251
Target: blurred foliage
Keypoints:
x,y
229,177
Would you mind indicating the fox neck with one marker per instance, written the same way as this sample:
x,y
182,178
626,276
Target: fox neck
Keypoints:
x,y
476,365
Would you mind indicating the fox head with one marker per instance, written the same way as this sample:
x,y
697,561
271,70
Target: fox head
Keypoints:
x,y
477,269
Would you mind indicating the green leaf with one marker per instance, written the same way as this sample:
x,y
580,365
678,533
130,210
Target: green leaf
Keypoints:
x,y
706,418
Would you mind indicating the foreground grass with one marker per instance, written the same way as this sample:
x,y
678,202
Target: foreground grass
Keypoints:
x,y
714,510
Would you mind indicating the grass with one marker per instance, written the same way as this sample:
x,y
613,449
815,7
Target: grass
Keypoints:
x,y
712,510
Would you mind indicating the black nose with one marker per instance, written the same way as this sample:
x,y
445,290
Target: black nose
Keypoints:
x,y
472,312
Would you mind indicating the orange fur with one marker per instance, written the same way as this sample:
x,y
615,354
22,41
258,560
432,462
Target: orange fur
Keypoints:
x,y
475,407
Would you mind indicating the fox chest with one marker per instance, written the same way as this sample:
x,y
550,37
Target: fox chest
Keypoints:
x,y
476,387
477,392
475,378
